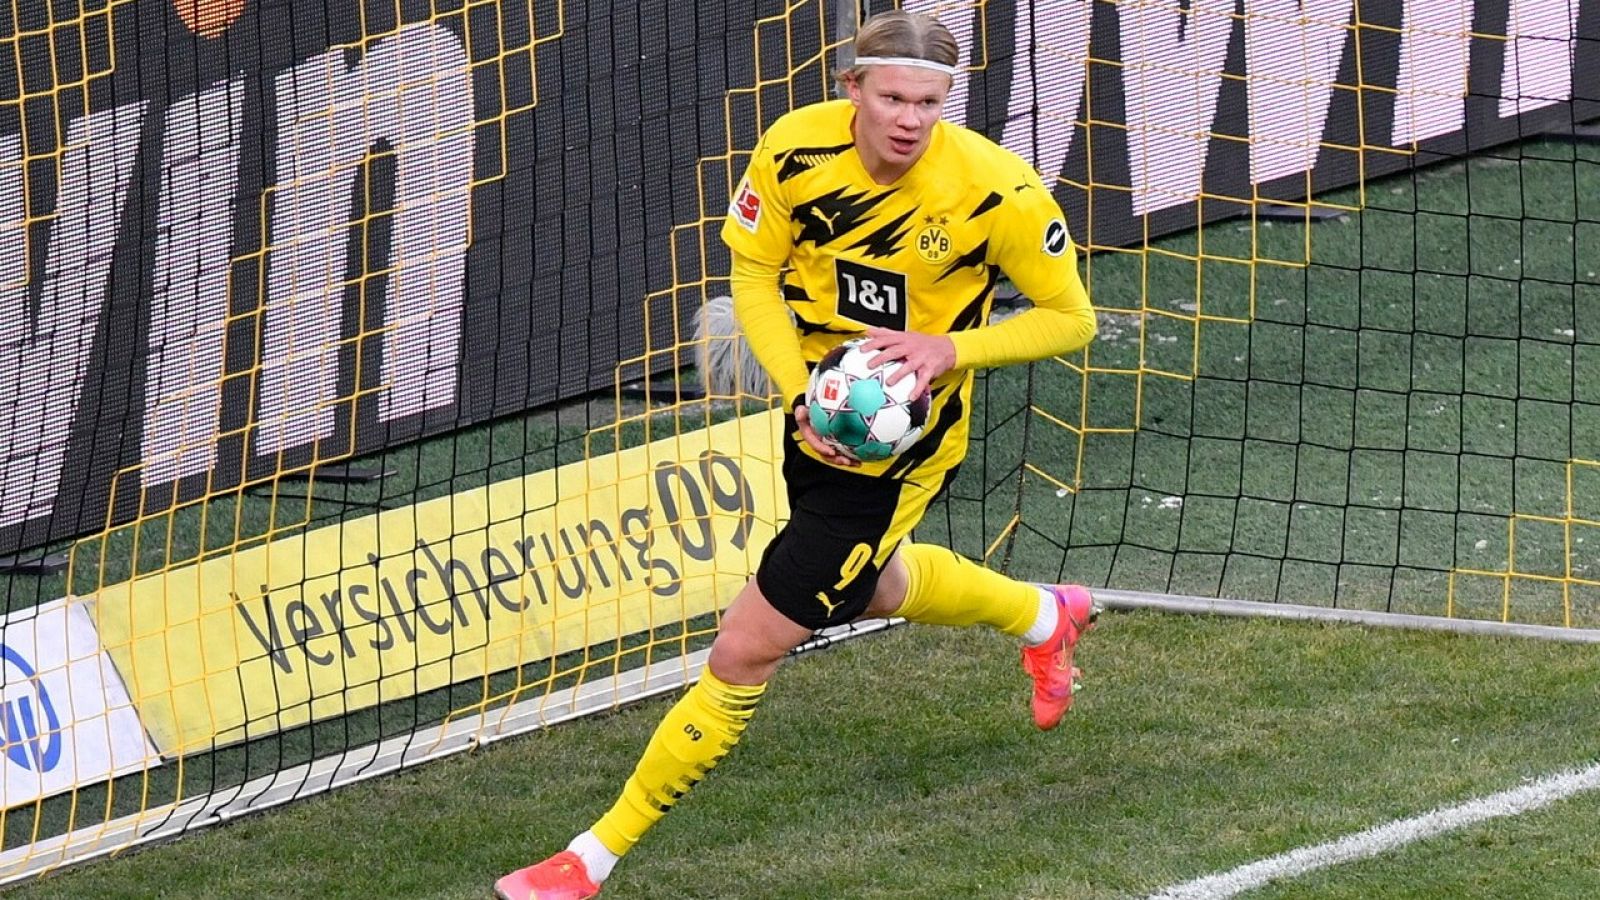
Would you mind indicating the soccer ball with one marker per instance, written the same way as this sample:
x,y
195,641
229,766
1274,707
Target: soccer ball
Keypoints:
x,y
854,408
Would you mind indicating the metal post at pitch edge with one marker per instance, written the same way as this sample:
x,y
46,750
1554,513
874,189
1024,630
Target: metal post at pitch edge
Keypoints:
x,y
36,563
846,17
1131,600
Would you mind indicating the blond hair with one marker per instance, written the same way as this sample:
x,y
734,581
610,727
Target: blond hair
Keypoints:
x,y
897,33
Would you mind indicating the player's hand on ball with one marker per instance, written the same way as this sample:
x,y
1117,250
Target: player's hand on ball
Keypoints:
x,y
927,356
828,450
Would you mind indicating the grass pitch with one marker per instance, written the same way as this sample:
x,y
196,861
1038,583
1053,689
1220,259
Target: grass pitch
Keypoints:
x,y
904,765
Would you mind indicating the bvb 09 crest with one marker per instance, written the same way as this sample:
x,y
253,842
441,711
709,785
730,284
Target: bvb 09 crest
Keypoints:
x,y
932,240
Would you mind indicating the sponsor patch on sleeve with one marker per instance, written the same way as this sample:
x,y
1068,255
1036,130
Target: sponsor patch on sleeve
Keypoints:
x,y
746,207
1055,238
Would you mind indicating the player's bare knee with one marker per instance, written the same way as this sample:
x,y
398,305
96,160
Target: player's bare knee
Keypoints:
x,y
890,591
753,638
741,657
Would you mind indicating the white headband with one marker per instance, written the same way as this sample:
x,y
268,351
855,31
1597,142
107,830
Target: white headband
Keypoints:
x,y
906,61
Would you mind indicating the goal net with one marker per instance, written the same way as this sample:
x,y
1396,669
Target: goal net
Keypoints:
x,y
349,354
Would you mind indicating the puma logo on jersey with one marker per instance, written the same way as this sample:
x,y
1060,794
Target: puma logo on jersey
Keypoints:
x,y
826,220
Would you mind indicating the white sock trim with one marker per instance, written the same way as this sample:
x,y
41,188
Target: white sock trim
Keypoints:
x,y
1045,623
597,860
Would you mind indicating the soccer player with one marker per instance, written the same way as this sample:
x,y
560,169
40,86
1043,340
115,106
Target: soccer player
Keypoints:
x,y
867,214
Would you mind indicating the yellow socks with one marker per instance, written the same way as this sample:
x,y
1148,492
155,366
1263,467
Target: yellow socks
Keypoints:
x,y
693,737
948,589
700,729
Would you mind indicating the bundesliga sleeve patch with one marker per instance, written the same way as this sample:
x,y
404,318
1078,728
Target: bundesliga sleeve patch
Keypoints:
x,y
746,207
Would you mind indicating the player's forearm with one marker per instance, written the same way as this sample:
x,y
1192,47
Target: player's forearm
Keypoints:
x,y
758,303
1045,330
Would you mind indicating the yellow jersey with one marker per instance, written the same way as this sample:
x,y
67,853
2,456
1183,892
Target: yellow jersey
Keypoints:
x,y
921,254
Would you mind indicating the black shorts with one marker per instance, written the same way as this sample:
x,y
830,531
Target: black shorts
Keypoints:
x,y
822,568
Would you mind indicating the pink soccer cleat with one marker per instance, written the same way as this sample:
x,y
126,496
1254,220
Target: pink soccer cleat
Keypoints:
x,y
1050,663
561,877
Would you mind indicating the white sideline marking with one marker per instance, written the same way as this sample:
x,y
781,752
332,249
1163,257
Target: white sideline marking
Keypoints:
x,y
1395,834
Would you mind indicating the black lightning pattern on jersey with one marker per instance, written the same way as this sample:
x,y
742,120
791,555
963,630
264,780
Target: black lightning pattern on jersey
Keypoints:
x,y
972,315
989,202
805,327
834,214
977,256
798,160
885,242
794,294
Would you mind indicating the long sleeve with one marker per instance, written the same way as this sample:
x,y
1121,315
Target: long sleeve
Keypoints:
x,y
1030,243
1053,327
758,303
